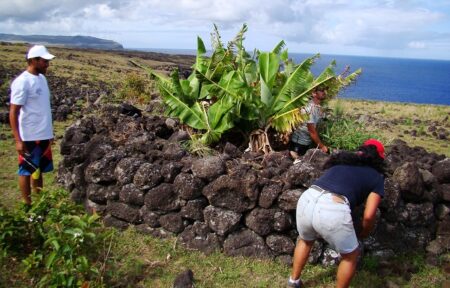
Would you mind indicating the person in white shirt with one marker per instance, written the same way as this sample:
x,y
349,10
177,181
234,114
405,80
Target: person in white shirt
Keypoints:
x,y
31,121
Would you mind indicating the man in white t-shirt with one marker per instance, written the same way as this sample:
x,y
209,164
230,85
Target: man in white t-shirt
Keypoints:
x,y
30,118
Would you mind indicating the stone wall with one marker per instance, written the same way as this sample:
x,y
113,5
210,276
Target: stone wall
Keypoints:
x,y
134,171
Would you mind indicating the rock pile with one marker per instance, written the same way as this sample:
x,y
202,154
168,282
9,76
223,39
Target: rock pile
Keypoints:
x,y
135,171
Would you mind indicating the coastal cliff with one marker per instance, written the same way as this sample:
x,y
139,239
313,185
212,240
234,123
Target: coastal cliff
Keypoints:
x,y
64,41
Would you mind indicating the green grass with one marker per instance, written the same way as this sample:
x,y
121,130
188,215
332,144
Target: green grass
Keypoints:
x,y
391,120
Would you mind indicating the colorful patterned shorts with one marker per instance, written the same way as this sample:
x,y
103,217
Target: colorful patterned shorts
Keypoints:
x,y
39,155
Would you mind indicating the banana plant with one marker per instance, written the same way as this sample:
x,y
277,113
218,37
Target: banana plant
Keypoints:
x,y
284,92
232,88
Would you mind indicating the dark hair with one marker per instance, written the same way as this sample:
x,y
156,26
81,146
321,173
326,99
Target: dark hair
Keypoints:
x,y
320,88
364,156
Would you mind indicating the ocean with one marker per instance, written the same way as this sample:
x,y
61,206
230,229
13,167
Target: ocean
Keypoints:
x,y
382,79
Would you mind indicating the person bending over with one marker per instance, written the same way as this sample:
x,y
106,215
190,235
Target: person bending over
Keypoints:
x,y
324,210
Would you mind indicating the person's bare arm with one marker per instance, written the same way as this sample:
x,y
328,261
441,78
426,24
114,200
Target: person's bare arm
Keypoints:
x,y
370,212
14,111
315,137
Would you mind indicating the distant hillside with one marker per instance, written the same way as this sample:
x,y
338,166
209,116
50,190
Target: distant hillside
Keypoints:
x,y
66,41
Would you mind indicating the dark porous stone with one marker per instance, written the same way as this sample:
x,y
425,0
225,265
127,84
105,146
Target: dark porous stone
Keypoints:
x,y
126,168
409,181
232,150
246,243
302,174
442,210
428,178
226,192
416,238
282,221
92,207
147,176
184,280
316,158
172,222
124,212
162,198
149,217
414,214
179,136
194,209
208,168
158,125
102,171
277,159
77,177
330,257
111,221
269,194
285,259
173,151
435,247
220,220
288,199
155,232
78,195
130,194
199,237
316,252
261,220
98,147
392,195
280,244
189,186
444,191
170,170
139,142
73,135
100,193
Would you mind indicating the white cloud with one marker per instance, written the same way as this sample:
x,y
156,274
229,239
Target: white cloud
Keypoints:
x,y
379,24
416,44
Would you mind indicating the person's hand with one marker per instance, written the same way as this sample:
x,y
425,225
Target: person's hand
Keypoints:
x,y
324,149
20,147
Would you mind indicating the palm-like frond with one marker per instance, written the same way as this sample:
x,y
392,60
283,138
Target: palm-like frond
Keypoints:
x,y
287,121
297,83
216,41
279,47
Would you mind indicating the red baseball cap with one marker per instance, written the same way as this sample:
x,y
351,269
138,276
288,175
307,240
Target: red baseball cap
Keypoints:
x,y
377,144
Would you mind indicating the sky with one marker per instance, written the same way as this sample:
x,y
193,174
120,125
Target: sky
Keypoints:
x,y
384,28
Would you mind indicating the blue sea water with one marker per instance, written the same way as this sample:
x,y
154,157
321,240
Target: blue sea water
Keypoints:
x,y
383,79
393,79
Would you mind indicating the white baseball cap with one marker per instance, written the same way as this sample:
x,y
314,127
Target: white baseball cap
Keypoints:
x,y
39,51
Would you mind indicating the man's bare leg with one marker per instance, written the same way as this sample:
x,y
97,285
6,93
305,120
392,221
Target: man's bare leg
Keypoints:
x,y
37,184
25,189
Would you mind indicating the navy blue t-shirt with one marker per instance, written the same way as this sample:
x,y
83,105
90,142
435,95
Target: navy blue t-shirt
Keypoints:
x,y
354,182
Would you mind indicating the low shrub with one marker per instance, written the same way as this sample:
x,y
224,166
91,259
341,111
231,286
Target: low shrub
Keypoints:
x,y
344,134
56,241
134,89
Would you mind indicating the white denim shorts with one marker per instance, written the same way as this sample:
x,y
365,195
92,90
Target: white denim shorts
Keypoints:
x,y
319,216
